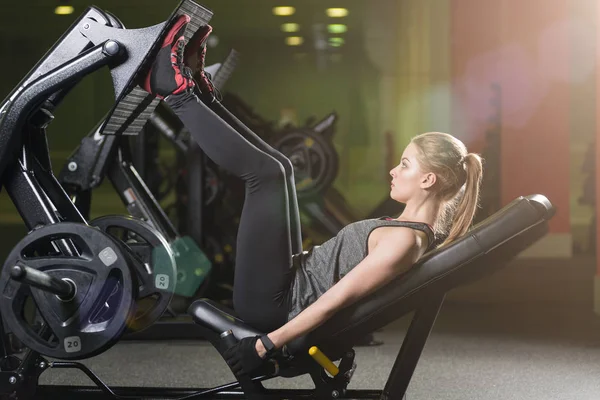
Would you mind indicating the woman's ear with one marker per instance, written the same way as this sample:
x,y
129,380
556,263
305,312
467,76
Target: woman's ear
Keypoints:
x,y
428,180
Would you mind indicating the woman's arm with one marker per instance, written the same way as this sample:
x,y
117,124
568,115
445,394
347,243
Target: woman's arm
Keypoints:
x,y
393,254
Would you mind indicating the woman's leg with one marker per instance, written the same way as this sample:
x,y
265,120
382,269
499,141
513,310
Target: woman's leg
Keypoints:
x,y
195,54
295,227
263,254
263,259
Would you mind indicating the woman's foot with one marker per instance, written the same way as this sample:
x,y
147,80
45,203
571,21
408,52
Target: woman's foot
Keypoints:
x,y
195,54
168,74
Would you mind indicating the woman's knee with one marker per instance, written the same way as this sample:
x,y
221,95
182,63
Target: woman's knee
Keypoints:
x,y
272,170
285,162
288,167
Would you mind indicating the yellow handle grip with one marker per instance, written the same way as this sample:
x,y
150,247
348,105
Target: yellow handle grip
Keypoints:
x,y
323,360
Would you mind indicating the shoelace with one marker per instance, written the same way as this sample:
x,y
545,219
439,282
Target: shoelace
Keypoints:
x,y
186,72
215,90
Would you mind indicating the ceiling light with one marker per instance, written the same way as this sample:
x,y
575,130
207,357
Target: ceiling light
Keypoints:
x,y
64,10
290,27
336,41
337,28
337,12
284,11
294,40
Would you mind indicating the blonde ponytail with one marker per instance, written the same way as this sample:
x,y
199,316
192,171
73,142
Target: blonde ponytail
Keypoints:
x,y
465,203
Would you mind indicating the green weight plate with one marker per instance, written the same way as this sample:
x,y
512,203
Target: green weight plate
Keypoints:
x,y
193,266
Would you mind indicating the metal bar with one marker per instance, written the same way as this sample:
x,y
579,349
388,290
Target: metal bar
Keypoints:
x,y
24,102
79,173
188,394
168,125
5,342
32,202
412,347
55,192
91,393
42,280
26,193
136,196
75,365
69,45
195,186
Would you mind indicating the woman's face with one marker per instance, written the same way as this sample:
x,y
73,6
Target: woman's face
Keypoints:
x,y
407,177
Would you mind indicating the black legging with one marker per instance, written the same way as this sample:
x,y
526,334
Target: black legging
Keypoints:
x,y
269,228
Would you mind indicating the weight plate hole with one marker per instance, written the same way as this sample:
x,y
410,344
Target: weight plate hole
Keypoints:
x,y
46,246
74,292
34,321
109,300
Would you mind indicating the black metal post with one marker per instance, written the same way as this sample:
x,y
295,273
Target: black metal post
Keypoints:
x,y
412,347
195,182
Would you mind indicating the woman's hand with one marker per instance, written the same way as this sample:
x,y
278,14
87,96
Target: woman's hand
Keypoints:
x,y
243,357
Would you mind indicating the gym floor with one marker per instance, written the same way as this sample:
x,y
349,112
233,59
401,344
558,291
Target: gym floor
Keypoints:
x,y
528,332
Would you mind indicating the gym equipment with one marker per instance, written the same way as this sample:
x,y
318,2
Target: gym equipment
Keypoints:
x,y
315,161
487,247
194,208
311,150
154,263
325,206
163,123
115,157
238,107
70,293
100,156
56,246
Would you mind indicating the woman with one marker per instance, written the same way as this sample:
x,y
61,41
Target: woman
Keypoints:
x,y
278,288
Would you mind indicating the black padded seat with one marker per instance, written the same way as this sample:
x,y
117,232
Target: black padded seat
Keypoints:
x,y
487,246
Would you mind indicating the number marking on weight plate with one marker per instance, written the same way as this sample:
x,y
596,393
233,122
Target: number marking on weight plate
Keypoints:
x,y
161,281
108,256
72,344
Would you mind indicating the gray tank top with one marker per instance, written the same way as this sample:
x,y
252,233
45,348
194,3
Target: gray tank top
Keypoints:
x,y
317,270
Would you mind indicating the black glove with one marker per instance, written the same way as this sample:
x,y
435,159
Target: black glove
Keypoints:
x,y
242,357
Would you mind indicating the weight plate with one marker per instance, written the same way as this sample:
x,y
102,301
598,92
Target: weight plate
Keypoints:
x,y
95,318
153,262
314,159
193,266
